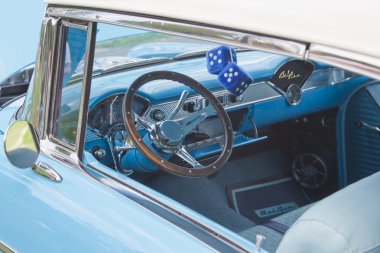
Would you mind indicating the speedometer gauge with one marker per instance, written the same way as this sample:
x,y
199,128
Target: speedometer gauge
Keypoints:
x,y
293,94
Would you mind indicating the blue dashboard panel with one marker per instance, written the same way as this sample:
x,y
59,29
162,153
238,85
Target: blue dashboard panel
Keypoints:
x,y
259,64
261,101
314,100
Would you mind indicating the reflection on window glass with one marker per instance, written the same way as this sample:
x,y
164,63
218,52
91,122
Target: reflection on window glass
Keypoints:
x,y
124,46
71,87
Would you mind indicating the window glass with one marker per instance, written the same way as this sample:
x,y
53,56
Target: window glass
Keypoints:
x,y
72,67
120,46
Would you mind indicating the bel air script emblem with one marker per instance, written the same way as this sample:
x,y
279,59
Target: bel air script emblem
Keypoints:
x,y
276,210
288,74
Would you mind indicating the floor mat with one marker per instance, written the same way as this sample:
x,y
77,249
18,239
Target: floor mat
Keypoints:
x,y
263,199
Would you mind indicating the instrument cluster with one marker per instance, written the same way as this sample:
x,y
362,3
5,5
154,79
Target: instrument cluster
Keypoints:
x,y
109,112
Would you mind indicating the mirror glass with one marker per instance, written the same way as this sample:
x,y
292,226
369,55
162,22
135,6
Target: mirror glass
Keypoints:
x,y
21,144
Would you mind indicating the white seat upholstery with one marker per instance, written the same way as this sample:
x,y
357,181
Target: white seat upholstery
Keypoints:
x,y
273,237
347,221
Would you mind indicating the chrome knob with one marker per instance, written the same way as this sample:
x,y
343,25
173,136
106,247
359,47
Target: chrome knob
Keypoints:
x,y
99,153
170,132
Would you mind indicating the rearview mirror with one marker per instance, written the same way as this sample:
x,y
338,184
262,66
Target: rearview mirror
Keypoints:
x,y
21,144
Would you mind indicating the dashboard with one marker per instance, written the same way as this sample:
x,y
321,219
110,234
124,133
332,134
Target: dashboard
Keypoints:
x,y
262,103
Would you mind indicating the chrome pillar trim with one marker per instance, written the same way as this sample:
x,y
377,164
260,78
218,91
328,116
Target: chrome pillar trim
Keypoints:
x,y
85,97
35,107
355,62
184,28
5,248
46,171
55,84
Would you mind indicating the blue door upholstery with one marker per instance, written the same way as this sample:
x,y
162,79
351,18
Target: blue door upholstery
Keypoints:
x,y
361,145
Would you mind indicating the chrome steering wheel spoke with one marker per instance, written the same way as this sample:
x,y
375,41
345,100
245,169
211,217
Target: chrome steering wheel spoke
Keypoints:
x,y
184,155
190,122
179,105
144,123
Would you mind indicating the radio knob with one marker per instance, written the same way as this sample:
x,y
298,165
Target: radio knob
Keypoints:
x,y
189,107
158,115
234,99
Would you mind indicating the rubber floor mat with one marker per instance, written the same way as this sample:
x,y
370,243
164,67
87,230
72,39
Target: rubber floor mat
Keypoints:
x,y
264,199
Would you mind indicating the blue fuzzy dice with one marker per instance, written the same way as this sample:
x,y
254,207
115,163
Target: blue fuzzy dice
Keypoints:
x,y
218,58
234,79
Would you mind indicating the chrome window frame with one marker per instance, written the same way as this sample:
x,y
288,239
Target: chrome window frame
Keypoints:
x,y
56,90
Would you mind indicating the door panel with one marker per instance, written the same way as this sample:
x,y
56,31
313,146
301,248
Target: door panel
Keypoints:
x,y
362,144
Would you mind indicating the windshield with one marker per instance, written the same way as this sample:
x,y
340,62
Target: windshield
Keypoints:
x,y
117,46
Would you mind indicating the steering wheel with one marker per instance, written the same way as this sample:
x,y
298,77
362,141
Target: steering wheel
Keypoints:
x,y
167,136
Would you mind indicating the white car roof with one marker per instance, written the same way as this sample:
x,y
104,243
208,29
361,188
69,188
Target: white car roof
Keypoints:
x,y
345,24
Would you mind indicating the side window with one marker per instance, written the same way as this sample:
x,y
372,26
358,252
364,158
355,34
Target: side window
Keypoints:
x,y
71,70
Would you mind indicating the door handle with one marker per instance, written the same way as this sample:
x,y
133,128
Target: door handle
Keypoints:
x,y
364,125
46,171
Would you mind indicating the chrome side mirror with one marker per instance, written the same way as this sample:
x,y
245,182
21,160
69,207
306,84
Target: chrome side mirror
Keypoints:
x,y
21,144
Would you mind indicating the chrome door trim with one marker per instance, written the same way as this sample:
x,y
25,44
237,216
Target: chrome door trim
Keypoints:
x,y
222,241
356,62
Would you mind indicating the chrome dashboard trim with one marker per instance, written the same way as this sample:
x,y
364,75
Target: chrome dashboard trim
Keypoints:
x,y
185,29
256,92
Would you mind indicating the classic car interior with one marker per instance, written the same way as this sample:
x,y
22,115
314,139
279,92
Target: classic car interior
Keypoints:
x,y
249,139
252,160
